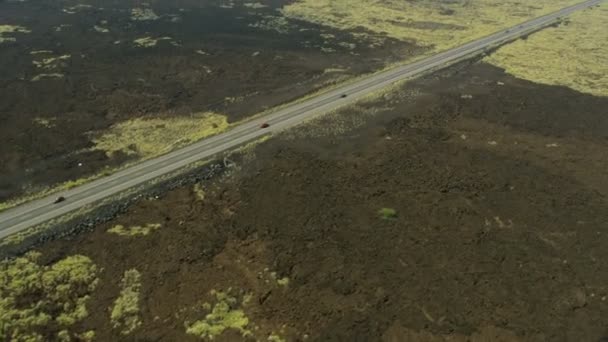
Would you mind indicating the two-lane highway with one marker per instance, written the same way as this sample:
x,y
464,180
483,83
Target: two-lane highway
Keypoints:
x,y
40,211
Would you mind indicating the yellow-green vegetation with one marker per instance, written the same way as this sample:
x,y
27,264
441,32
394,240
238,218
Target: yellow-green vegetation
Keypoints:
x,y
76,8
143,14
125,314
36,300
45,122
87,336
63,336
254,5
199,191
146,138
121,230
61,27
19,237
276,338
153,137
387,213
40,77
573,54
280,281
283,281
41,52
431,23
149,138
272,23
225,314
334,70
51,62
6,30
147,42
101,29
54,75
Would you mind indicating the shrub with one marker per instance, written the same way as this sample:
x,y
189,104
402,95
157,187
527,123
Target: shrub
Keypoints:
x,y
387,213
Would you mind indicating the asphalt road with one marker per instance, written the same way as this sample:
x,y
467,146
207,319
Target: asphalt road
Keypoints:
x,y
40,211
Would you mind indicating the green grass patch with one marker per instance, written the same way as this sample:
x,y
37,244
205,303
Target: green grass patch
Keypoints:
x,y
39,301
121,230
572,55
147,42
225,314
149,138
275,338
7,30
199,191
387,213
125,314
143,14
439,25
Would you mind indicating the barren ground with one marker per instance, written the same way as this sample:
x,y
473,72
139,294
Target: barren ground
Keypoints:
x,y
76,70
499,187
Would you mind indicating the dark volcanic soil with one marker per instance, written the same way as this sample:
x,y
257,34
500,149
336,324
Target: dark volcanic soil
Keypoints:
x,y
500,191
235,60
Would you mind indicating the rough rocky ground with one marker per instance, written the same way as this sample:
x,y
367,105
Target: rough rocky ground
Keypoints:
x,y
499,187
234,60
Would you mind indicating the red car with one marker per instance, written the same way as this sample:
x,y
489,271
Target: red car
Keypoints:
x,y
264,125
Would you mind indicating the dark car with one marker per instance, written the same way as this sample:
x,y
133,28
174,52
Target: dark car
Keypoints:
x,y
265,125
343,95
59,199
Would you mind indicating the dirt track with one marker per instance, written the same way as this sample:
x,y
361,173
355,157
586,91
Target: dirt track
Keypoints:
x,y
500,190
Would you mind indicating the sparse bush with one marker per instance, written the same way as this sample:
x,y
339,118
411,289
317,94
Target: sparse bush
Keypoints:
x,y
223,316
40,303
387,213
121,230
125,313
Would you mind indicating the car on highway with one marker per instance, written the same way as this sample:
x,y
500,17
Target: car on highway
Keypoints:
x,y
27,216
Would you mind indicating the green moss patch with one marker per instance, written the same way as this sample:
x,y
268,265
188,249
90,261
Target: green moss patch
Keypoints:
x,y
41,303
125,314
387,213
572,54
121,230
6,31
225,314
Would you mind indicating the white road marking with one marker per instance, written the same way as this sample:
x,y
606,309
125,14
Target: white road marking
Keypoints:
x,y
39,211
